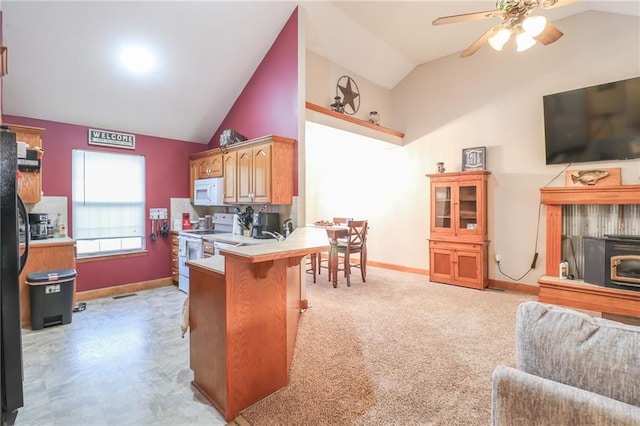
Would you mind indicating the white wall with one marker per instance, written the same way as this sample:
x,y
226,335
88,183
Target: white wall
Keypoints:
x,y
322,77
491,99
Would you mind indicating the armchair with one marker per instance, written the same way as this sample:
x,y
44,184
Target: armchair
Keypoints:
x,y
571,369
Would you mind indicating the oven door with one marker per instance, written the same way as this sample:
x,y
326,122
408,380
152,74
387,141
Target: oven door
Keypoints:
x,y
189,248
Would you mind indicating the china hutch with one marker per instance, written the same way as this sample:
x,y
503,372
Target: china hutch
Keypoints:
x,y
458,244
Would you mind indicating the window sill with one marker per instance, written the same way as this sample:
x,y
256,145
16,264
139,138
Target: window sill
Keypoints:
x,y
119,255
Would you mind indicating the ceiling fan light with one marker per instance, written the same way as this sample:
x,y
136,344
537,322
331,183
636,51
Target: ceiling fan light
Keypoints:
x,y
524,41
534,25
499,39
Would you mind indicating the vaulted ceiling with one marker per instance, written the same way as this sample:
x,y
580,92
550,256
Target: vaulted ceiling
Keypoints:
x,y
63,54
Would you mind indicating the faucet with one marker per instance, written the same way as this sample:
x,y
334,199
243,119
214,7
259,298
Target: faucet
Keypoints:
x,y
275,235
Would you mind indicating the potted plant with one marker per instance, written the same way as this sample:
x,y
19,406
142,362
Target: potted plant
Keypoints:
x,y
245,219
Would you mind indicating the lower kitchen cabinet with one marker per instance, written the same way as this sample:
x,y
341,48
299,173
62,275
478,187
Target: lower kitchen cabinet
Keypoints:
x,y
174,257
45,255
463,264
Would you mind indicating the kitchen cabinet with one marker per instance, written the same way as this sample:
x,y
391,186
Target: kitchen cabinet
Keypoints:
x,y
458,263
30,183
229,165
203,165
210,166
194,173
264,172
256,171
44,255
458,243
174,257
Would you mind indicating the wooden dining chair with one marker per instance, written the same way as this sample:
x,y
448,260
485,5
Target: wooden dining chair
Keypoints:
x,y
356,243
323,262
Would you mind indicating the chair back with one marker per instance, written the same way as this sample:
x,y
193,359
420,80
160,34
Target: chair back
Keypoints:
x,y
357,233
342,220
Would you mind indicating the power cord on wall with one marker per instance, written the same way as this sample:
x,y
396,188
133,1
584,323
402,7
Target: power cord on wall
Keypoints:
x,y
535,247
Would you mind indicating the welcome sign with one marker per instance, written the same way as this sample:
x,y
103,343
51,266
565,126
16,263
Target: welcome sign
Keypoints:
x,y
112,139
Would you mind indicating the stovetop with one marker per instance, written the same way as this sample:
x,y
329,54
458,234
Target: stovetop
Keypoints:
x,y
202,231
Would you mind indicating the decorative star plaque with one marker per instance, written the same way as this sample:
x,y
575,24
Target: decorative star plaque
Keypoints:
x,y
351,95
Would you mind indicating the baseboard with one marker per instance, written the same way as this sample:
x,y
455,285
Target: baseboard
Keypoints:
x,y
400,268
122,289
508,285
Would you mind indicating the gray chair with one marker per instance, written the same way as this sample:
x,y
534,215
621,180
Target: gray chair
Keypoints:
x,y
571,369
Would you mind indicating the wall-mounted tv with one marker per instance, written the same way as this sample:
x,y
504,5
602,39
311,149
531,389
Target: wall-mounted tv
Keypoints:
x,y
596,123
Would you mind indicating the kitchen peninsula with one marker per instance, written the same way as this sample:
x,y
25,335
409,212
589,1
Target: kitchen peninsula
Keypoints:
x,y
244,309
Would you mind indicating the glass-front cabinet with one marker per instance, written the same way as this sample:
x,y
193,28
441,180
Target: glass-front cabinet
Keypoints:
x,y
458,244
458,207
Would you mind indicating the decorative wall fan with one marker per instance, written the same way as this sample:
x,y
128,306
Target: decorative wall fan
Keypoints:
x,y
516,19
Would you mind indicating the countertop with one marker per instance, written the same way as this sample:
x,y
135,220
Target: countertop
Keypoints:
x,y
301,242
237,239
50,241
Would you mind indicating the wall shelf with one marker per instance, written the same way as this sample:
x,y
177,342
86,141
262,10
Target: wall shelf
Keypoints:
x,y
327,116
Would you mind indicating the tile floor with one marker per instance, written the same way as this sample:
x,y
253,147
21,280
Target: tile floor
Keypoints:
x,y
119,362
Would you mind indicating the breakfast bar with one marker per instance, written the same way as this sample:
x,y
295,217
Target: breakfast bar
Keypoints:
x,y
244,307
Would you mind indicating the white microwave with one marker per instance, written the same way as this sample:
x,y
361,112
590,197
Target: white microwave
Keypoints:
x,y
207,192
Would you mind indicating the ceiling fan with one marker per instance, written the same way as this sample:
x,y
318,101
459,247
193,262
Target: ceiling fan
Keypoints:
x,y
516,19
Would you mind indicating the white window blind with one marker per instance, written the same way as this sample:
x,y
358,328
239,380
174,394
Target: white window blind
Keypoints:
x,y
108,199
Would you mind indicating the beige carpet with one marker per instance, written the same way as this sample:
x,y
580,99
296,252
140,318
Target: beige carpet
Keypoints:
x,y
394,350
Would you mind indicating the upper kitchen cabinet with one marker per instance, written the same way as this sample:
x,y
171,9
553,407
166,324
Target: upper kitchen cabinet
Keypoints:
x,y
256,171
210,166
30,182
230,167
203,165
264,171
459,206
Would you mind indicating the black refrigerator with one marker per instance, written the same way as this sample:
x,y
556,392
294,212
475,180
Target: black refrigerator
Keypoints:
x,y
11,263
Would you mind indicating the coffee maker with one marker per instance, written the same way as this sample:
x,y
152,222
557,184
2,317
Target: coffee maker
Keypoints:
x,y
38,226
265,222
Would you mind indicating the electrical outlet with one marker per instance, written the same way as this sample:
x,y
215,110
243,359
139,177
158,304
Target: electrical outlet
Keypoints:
x,y
498,258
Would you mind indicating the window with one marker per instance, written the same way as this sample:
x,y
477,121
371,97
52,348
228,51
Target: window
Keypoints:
x,y
108,202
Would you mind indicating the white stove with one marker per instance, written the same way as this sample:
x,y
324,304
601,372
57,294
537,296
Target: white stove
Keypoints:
x,y
190,245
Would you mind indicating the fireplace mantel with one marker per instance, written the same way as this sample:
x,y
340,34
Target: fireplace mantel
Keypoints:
x,y
576,293
624,194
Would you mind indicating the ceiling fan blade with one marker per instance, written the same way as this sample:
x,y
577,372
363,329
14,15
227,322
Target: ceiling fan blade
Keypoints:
x,y
467,17
480,41
549,34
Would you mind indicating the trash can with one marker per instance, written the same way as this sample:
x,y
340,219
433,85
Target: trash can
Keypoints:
x,y
51,294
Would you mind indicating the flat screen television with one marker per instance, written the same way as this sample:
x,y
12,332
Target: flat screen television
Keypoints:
x,y
596,123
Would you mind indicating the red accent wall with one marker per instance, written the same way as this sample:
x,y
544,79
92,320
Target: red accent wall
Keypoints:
x,y
268,105
167,176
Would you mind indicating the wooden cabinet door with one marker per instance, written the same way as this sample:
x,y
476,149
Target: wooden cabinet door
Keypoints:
x,y
194,173
262,174
230,177
216,166
442,208
441,265
30,187
210,166
469,218
467,268
30,183
245,176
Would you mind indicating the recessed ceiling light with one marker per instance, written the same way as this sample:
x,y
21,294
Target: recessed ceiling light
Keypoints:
x,y
137,59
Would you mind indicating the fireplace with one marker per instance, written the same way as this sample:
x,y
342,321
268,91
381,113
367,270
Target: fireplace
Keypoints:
x,y
613,261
